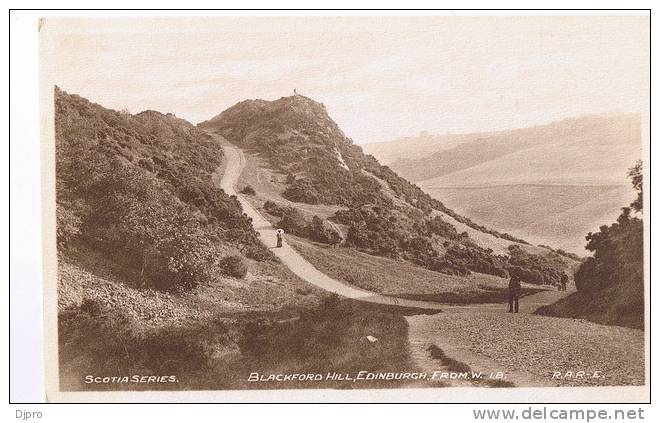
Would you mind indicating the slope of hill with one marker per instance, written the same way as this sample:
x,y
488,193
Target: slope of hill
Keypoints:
x,y
562,179
611,283
144,284
418,147
140,189
556,215
383,214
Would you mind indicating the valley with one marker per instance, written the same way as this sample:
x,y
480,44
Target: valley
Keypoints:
x,y
556,215
549,184
539,340
168,262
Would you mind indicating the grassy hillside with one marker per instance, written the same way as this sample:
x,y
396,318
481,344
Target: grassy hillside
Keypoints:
x,y
557,215
587,150
417,147
563,179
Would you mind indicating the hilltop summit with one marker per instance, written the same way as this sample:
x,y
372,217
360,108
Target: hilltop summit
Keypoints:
x,y
383,213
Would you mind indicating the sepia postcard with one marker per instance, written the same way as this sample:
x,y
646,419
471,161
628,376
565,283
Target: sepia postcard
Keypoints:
x,y
346,207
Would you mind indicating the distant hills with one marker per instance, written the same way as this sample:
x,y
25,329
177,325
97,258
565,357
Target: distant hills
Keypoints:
x,y
548,184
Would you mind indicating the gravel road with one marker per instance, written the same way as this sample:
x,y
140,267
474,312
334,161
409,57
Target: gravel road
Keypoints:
x,y
530,348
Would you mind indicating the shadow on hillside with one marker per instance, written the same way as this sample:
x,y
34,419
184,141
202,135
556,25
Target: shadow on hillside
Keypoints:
x,y
607,307
488,295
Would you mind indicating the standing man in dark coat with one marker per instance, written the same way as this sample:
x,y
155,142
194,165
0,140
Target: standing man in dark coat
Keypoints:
x,y
564,281
514,293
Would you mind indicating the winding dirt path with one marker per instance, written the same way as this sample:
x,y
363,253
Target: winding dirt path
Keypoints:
x,y
424,330
234,164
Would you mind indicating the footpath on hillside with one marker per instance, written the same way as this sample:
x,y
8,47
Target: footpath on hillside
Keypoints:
x,y
234,163
528,349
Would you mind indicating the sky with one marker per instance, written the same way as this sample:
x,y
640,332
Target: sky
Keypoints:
x,y
380,78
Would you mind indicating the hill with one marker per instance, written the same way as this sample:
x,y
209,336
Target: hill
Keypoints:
x,y
611,283
161,273
418,147
380,212
140,190
562,179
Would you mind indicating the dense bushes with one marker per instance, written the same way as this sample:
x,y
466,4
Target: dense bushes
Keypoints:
x,y
294,222
139,189
302,191
437,226
248,190
97,340
413,237
618,249
320,230
471,256
233,266
146,228
535,268
323,166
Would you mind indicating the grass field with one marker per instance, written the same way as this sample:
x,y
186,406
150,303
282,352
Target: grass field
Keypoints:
x,y
379,274
556,215
401,279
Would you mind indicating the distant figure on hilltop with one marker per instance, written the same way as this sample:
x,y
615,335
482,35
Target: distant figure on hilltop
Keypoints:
x,y
295,93
514,292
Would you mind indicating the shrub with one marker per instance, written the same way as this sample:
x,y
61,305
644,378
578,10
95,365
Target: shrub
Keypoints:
x,y
302,191
140,189
273,208
135,220
618,256
293,221
536,268
233,266
319,230
248,190
437,226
